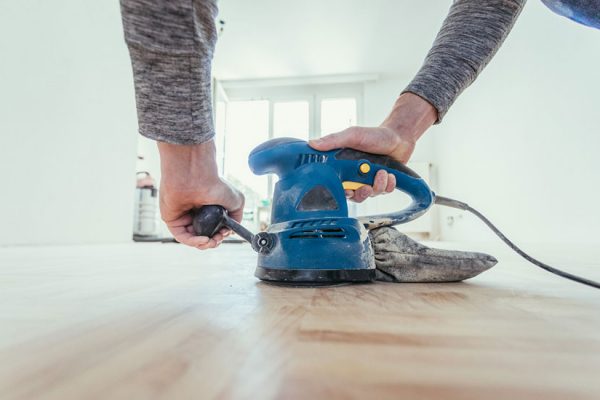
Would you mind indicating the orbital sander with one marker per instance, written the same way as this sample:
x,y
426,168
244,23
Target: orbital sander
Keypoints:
x,y
311,239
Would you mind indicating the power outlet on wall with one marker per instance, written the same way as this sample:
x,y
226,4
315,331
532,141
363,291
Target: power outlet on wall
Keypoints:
x,y
452,219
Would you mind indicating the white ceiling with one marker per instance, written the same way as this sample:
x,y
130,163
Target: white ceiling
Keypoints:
x,y
282,38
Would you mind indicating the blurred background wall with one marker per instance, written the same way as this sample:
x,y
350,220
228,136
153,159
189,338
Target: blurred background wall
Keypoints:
x,y
67,123
522,143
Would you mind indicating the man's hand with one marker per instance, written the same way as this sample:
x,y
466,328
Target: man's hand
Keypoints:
x,y
395,137
190,180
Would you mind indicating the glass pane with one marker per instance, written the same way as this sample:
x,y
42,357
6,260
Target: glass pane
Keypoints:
x,y
337,114
246,126
290,119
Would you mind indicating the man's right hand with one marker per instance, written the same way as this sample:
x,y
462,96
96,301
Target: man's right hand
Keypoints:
x,y
411,116
190,180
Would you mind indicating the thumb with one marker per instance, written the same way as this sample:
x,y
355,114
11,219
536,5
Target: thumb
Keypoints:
x,y
347,138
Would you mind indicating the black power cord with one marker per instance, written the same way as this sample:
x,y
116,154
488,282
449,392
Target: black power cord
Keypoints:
x,y
445,201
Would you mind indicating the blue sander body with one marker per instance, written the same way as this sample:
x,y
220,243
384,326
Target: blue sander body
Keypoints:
x,y
311,238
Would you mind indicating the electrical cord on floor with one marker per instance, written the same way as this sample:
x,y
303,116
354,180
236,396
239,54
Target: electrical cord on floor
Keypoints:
x,y
445,201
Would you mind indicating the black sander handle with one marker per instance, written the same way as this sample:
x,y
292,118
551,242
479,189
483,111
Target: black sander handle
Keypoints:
x,y
209,220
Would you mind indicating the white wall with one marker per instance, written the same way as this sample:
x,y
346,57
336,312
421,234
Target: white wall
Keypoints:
x,y
522,143
67,123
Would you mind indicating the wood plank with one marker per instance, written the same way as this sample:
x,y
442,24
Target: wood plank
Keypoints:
x,y
158,321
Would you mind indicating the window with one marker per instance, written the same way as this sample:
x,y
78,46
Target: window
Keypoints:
x,y
337,114
247,126
291,119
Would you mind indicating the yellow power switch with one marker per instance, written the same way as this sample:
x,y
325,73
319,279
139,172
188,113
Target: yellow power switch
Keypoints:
x,y
349,185
364,168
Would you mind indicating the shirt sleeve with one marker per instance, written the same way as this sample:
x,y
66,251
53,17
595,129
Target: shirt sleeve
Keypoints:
x,y
171,45
470,36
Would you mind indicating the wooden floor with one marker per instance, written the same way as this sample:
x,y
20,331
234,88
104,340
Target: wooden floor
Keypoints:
x,y
145,321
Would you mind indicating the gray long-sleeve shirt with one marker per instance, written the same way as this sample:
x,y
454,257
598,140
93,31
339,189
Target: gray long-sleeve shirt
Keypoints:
x,y
171,44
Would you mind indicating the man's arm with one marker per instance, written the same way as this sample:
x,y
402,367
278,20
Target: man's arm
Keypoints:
x,y
470,36
171,45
